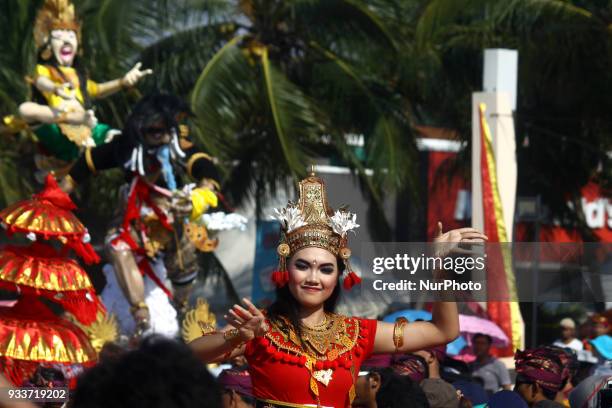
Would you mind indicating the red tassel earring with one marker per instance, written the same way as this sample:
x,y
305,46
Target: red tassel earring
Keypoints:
x,y
280,277
351,279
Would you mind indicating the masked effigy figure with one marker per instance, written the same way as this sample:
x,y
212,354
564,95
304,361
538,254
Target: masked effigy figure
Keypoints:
x,y
155,235
60,113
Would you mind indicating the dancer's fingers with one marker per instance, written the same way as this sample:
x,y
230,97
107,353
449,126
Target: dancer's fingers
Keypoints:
x,y
237,317
242,312
254,311
232,322
473,234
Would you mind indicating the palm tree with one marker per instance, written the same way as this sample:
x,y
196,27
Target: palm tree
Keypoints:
x,y
281,82
562,118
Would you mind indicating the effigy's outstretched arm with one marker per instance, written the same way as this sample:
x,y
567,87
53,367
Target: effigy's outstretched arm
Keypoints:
x,y
34,112
128,80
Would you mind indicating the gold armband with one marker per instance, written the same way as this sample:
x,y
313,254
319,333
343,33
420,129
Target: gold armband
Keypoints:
x,y
194,158
89,160
398,332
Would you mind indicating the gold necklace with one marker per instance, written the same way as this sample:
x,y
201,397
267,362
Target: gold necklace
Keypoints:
x,y
320,338
318,325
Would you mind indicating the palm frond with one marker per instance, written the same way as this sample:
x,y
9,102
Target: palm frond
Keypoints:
x,y
179,58
386,150
340,20
223,98
294,119
528,15
439,14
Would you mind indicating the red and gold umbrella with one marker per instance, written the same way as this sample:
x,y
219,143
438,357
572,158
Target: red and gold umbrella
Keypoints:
x,y
38,270
41,267
48,214
31,334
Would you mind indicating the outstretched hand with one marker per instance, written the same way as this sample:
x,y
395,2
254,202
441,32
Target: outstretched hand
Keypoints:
x,y
135,74
250,321
447,243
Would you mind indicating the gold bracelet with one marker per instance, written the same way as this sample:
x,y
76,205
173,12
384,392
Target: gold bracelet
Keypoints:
x,y
231,334
207,328
398,332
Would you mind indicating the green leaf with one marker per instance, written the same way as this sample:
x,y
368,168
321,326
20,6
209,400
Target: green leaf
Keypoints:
x,y
385,149
294,119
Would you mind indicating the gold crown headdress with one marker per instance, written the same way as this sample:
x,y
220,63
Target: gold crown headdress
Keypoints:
x,y
54,15
311,222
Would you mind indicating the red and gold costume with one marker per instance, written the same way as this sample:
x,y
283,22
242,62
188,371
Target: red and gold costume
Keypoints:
x,y
320,369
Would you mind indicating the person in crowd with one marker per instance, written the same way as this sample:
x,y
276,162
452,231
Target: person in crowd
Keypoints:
x,y
597,325
410,365
433,357
473,392
161,373
569,362
540,376
568,335
591,392
506,399
300,337
602,349
366,388
237,389
111,351
601,326
439,392
602,345
493,372
48,377
384,388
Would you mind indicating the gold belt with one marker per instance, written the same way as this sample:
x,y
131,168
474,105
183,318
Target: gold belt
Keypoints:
x,y
261,403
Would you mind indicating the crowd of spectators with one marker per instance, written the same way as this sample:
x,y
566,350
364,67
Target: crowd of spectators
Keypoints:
x,y
571,372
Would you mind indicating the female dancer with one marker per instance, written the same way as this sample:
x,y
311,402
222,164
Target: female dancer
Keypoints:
x,y
300,353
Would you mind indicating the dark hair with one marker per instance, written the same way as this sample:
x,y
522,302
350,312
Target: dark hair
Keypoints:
x,y
111,352
245,398
287,306
48,374
398,391
521,379
160,373
484,336
150,109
